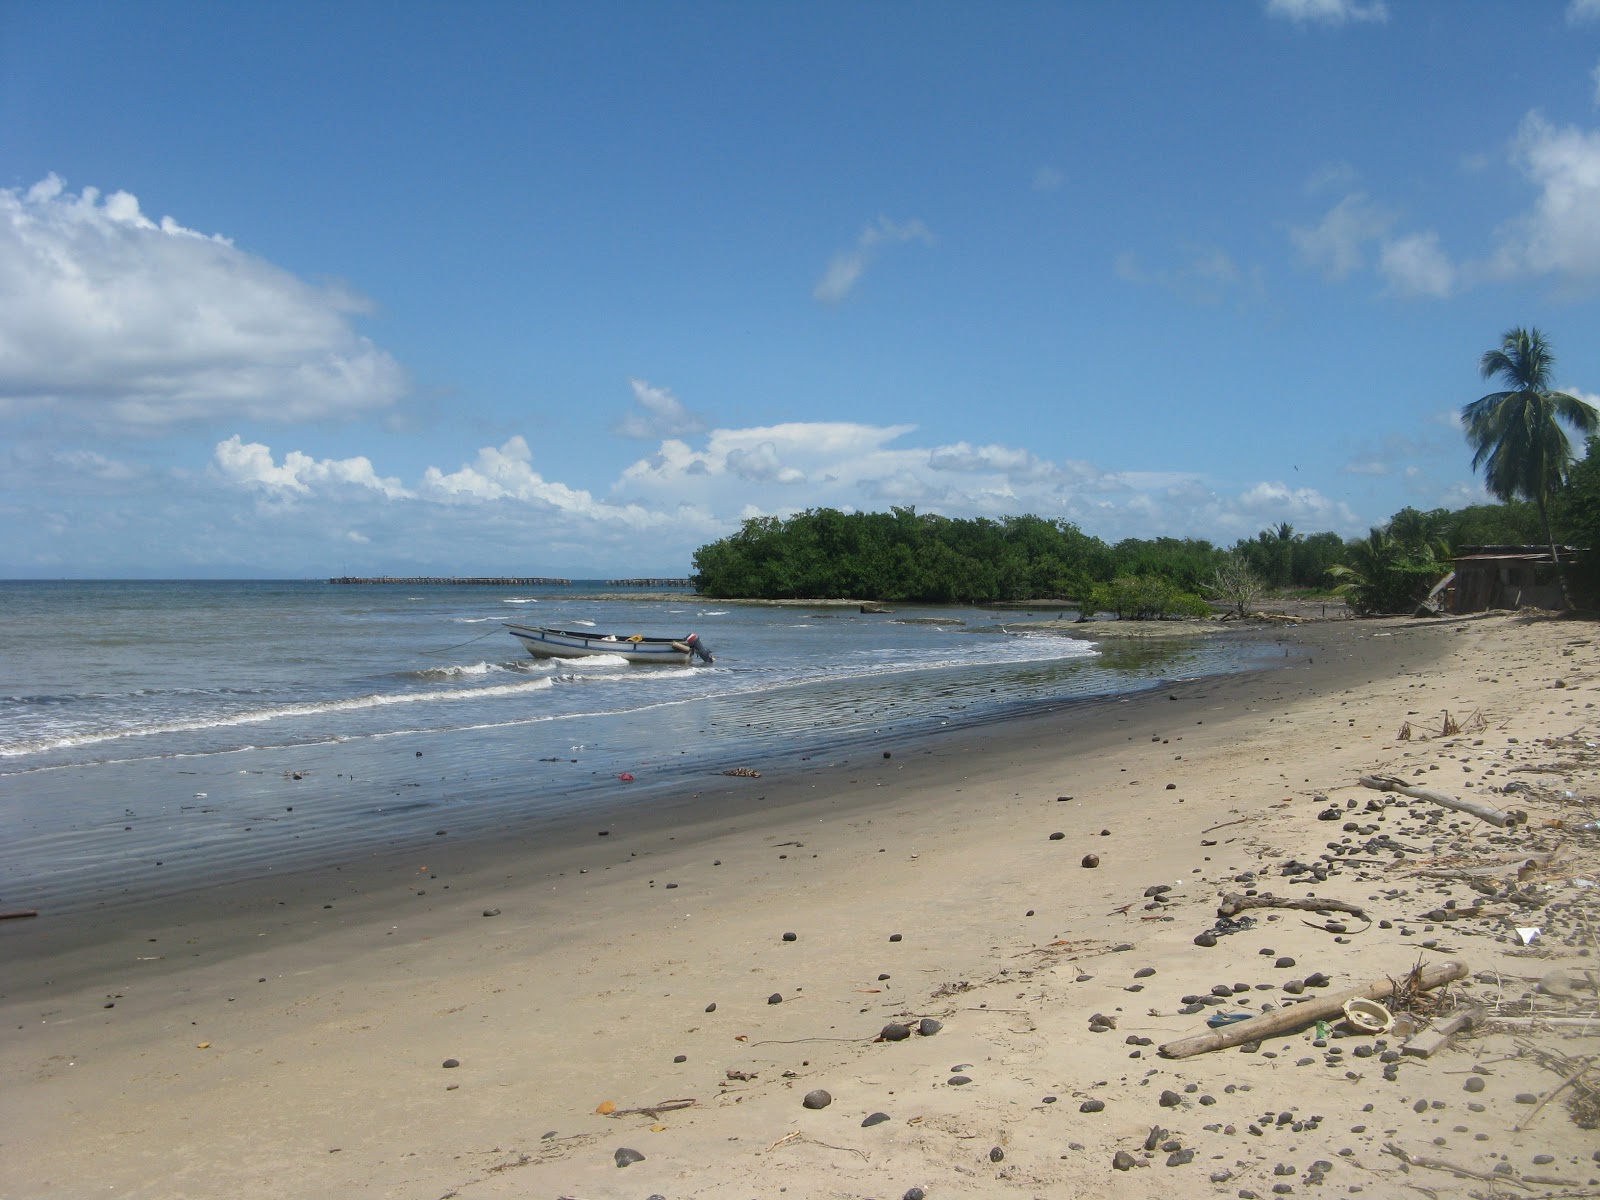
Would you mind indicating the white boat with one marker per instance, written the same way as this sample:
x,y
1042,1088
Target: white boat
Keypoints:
x,y
564,643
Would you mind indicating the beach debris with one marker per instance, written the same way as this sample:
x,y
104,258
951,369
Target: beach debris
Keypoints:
x,y
626,1156
743,772
871,1119
17,914
1367,1016
1430,1041
627,778
1232,904
1307,1012
1494,816
653,1111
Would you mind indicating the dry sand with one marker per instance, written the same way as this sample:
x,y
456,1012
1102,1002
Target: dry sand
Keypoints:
x,y
294,1036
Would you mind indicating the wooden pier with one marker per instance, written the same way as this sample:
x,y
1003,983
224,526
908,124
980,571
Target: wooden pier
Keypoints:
x,y
657,583
472,580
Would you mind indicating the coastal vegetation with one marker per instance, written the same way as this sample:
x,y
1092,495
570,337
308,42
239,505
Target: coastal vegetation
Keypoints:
x,y
1515,434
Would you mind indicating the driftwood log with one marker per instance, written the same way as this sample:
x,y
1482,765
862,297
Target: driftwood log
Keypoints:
x,y
1484,812
1233,904
1297,1016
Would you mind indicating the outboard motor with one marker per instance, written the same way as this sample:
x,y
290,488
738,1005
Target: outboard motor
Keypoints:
x,y
694,643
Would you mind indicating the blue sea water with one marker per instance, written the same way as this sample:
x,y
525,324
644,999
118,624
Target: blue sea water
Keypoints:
x,y
155,730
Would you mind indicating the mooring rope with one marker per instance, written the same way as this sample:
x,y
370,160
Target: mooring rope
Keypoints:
x,y
458,645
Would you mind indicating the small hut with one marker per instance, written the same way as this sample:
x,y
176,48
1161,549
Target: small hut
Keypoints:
x,y
1507,577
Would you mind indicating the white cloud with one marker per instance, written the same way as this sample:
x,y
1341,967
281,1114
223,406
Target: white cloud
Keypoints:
x,y
760,464
1005,460
1414,265
1561,234
657,413
250,464
94,465
846,267
1583,10
1333,12
1336,245
122,321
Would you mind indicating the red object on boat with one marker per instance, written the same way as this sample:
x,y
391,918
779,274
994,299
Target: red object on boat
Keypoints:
x,y
625,777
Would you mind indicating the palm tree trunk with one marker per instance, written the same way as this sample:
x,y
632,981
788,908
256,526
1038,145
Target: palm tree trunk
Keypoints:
x,y
1555,558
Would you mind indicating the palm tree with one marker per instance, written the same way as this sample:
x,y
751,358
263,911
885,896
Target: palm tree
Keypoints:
x,y
1516,434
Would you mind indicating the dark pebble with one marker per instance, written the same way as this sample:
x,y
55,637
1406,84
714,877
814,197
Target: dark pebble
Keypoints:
x,y
1056,837
927,1027
624,1156
775,998
877,1118
1122,1161
1180,1158
996,1154
1091,860
491,912
790,937
959,1080
1285,961
914,1194
1474,1083
1170,1099
712,1007
1206,939
1527,1098
894,1032
1091,1106
894,937
817,1099
680,1058
451,1062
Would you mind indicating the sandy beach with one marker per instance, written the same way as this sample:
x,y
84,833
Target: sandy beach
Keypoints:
x,y
617,1007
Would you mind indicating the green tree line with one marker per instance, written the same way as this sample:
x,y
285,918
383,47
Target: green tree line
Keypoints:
x,y
1517,439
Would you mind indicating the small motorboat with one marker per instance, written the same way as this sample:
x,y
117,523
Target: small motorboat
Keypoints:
x,y
564,643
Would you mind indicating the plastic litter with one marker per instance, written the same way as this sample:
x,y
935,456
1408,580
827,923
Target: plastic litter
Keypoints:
x,y
1367,1016
1218,1020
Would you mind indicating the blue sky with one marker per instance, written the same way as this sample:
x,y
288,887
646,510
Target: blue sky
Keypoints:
x,y
572,289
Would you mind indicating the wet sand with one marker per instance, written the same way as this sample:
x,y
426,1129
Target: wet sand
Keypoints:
x,y
289,1035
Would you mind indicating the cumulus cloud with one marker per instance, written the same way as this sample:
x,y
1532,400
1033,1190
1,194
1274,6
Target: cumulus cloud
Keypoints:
x,y
250,464
1579,11
1337,245
1560,235
657,414
1332,12
1414,265
128,322
846,268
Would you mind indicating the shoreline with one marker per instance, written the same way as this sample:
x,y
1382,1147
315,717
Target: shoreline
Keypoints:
x,y
324,1027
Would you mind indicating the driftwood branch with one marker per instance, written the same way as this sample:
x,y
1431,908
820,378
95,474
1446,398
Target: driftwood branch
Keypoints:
x,y
1484,812
1551,1094
1297,1016
1460,1172
1233,904
653,1110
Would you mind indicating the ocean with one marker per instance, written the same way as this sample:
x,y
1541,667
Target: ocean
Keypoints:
x,y
152,732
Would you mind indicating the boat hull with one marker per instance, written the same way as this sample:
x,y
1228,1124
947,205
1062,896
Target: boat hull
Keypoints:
x,y
562,643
